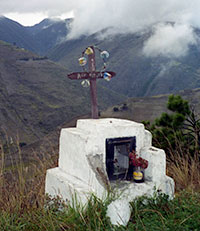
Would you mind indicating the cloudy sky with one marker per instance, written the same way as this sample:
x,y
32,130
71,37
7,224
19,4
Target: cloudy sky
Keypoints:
x,y
123,16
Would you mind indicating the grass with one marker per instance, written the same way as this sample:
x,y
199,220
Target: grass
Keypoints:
x,y
186,171
182,213
24,205
158,213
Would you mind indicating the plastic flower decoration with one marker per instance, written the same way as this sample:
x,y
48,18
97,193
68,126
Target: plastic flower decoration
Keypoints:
x,y
107,76
89,51
104,55
85,83
82,61
136,161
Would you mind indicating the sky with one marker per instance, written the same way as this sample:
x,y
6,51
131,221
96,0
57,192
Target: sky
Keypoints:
x,y
121,16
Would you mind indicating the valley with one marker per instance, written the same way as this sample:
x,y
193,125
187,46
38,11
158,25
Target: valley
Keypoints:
x,y
37,98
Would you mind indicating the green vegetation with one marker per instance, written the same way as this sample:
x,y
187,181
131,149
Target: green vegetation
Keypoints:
x,y
178,130
178,133
24,206
26,78
157,213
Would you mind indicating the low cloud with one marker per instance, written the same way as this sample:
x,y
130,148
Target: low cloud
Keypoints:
x,y
123,16
171,40
95,15
129,16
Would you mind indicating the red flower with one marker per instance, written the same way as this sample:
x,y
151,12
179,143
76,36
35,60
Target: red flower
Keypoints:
x,y
137,161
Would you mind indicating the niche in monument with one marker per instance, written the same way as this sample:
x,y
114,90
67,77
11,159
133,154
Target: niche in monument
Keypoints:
x,y
117,157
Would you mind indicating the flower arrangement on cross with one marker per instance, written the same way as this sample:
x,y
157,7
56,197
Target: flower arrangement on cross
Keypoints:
x,y
136,161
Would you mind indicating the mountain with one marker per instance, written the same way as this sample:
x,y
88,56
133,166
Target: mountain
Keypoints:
x,y
38,38
138,75
45,23
49,32
36,96
16,34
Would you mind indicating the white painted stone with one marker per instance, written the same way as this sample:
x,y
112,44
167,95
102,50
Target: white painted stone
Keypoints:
x,y
147,139
82,169
119,212
69,187
156,170
167,186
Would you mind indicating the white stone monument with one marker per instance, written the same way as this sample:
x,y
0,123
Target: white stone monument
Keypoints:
x,y
84,164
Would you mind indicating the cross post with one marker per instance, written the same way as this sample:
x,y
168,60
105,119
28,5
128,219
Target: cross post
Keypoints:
x,y
93,84
92,76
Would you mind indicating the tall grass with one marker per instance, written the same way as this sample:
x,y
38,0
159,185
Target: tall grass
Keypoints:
x,y
183,162
184,168
23,200
22,183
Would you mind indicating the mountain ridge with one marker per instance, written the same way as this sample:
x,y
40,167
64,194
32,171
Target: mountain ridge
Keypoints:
x,y
138,75
38,38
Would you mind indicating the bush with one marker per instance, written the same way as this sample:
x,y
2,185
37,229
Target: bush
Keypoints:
x,y
124,107
115,109
179,130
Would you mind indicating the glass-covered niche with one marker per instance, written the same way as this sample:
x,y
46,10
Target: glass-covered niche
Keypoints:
x,y
117,157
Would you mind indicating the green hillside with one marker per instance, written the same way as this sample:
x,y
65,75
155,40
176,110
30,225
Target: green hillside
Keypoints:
x,y
36,96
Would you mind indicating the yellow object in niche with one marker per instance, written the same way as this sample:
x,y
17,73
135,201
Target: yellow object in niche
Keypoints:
x,y
137,175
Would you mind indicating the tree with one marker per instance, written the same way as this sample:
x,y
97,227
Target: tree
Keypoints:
x,y
179,129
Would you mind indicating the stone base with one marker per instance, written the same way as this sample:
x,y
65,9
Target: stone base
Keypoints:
x,y
76,192
82,166
69,188
59,183
131,190
119,210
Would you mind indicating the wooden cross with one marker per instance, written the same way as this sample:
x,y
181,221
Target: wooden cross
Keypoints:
x,y
92,76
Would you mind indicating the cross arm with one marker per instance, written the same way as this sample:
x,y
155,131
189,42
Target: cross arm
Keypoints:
x,y
89,75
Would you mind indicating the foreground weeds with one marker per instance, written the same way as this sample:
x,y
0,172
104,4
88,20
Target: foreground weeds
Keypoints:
x,y
22,183
24,206
157,213
185,170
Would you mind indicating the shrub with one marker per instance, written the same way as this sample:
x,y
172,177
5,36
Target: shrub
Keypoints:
x,y
115,109
177,130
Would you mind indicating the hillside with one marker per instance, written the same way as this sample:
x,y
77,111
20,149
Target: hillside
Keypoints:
x,y
36,96
135,109
150,108
138,75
